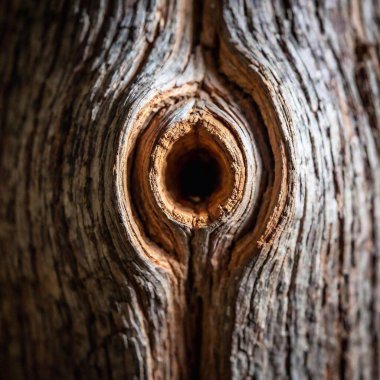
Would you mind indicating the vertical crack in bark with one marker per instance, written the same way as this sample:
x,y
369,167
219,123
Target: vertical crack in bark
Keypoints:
x,y
194,320
195,295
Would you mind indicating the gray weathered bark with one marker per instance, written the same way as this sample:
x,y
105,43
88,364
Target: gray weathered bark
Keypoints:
x,y
107,271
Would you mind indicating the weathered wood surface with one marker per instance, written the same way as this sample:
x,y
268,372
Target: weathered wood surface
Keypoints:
x,y
104,273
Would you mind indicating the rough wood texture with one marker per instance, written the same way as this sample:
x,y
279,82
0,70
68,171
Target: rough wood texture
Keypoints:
x,y
108,271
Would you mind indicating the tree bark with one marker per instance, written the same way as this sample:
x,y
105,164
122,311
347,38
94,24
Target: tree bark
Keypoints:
x,y
120,259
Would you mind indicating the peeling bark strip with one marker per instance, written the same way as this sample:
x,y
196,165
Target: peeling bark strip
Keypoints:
x,y
190,190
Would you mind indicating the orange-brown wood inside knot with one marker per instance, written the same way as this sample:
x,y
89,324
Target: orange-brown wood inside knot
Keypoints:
x,y
197,171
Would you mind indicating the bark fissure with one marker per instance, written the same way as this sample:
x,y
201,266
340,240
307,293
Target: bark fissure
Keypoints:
x,y
109,269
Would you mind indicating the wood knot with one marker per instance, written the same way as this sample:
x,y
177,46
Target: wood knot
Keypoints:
x,y
189,168
197,172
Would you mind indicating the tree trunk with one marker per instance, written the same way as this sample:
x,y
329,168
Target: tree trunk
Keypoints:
x,y
190,190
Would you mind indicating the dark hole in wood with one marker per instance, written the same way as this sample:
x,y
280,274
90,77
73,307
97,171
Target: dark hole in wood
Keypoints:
x,y
196,176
